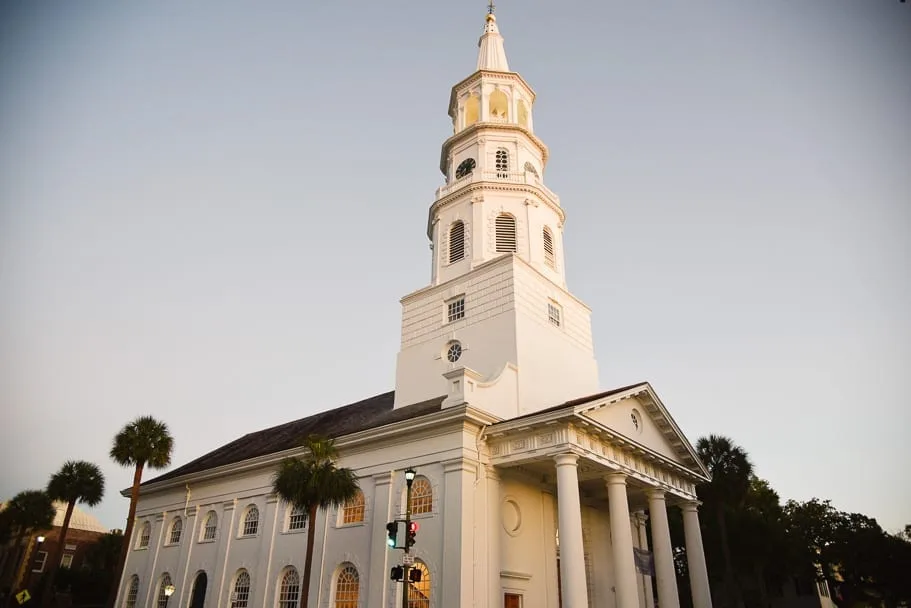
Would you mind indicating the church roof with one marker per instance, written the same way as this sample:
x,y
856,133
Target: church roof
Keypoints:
x,y
352,418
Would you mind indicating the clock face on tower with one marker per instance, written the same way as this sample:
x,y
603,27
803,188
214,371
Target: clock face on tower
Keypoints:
x,y
454,352
465,167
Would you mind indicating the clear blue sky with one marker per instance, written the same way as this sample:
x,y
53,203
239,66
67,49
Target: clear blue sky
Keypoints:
x,y
209,211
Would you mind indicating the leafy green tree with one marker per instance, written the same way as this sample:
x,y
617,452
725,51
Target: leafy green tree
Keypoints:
x,y
731,472
104,553
144,442
26,512
76,481
314,482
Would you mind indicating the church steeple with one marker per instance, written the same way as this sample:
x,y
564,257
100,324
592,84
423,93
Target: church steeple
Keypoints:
x,y
491,54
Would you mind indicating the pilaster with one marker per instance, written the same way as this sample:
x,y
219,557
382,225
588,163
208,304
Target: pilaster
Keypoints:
x,y
458,526
376,583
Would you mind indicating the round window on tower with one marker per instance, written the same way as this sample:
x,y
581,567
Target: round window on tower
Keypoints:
x,y
454,352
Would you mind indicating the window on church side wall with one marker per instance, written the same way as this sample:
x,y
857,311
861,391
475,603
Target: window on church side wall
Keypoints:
x,y
456,241
465,168
289,589
455,309
501,163
353,511
421,496
145,534
251,522
549,257
240,596
506,233
419,591
347,588
132,593
162,600
297,518
554,314
176,529
210,526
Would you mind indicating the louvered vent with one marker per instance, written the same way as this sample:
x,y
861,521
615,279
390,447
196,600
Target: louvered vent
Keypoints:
x,y
549,248
506,234
456,242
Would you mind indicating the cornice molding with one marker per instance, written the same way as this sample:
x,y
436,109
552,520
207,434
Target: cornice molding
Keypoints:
x,y
477,130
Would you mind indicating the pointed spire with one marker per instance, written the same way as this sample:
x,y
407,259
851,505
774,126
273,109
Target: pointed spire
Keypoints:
x,y
492,55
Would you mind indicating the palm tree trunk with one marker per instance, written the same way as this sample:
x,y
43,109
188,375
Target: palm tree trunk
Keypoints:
x,y
730,583
48,597
127,535
16,562
308,561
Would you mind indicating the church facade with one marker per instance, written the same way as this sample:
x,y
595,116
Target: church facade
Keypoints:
x,y
532,485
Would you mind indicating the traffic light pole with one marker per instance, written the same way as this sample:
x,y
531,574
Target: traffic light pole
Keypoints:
x,y
409,479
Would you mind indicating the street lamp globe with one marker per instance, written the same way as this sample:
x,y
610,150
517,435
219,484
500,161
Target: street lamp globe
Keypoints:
x,y
40,539
169,590
409,475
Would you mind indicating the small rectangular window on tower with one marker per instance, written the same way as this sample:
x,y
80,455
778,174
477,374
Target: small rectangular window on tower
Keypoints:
x,y
455,309
554,313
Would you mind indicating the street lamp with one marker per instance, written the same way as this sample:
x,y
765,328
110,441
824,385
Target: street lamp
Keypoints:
x,y
409,479
168,592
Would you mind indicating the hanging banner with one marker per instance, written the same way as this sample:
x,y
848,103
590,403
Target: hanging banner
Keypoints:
x,y
645,562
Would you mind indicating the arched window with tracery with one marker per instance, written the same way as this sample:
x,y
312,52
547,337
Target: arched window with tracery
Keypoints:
x,y
421,496
176,529
210,526
347,587
145,534
132,593
250,523
501,162
162,598
456,241
499,106
419,591
505,225
240,596
289,589
549,257
353,511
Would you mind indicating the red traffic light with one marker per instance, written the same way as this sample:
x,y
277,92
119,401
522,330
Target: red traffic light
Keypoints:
x,y
414,527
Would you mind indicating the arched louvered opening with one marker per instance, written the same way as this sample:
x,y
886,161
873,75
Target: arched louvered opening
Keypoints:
x,y
506,234
549,257
456,241
501,162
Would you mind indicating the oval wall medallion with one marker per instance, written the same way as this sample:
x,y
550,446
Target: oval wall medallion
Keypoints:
x,y
512,517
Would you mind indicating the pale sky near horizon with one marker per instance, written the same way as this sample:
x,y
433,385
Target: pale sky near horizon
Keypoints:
x,y
209,211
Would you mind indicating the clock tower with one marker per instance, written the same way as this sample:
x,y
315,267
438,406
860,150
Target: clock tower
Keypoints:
x,y
496,328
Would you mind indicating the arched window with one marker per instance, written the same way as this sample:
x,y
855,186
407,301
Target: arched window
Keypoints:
x,y
472,109
530,168
210,526
506,233
297,518
499,105
421,496
353,511
456,241
419,591
162,601
289,589
250,524
501,162
240,597
145,533
523,113
132,593
465,168
176,529
549,257
347,587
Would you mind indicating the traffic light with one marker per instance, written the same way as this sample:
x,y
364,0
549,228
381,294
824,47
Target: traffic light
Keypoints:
x,y
397,573
415,575
412,533
392,533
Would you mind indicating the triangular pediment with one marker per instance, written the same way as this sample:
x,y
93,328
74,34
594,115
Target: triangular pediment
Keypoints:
x,y
639,415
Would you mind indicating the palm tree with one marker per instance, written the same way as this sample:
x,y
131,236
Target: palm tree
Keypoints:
x,y
312,482
27,511
731,471
76,481
141,443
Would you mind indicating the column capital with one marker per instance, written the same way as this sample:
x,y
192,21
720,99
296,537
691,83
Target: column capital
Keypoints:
x,y
690,506
566,459
615,479
655,494
641,517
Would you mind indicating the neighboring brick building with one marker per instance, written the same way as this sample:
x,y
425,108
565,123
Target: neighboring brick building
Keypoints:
x,y
84,530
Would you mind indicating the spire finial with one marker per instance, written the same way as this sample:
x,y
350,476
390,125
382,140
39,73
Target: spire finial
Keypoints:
x,y
491,7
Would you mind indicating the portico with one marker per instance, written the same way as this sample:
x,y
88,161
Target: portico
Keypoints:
x,y
596,469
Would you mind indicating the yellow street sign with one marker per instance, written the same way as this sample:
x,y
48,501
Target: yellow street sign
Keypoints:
x,y
23,596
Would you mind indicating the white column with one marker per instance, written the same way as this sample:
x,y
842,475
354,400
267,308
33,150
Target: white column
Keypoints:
x,y
569,518
494,529
378,577
458,528
665,573
695,556
621,542
643,544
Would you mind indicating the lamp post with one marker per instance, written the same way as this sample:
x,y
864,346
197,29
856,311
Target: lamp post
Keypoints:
x,y
168,592
409,479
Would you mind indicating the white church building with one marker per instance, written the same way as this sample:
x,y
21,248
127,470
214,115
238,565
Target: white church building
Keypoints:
x,y
532,485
